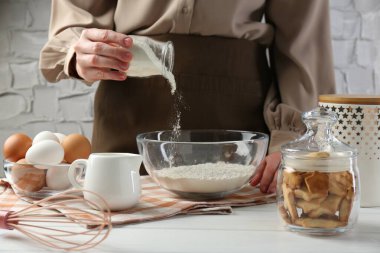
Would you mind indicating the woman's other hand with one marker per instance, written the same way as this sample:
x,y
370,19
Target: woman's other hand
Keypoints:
x,y
266,173
102,55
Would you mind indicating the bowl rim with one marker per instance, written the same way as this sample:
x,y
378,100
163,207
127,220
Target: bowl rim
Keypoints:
x,y
261,136
47,166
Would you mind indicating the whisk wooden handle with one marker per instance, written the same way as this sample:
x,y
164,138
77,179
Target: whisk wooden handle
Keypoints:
x,y
4,220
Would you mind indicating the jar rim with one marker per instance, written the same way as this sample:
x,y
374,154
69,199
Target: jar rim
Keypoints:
x,y
303,154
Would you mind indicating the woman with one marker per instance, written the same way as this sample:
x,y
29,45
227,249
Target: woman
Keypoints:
x,y
221,66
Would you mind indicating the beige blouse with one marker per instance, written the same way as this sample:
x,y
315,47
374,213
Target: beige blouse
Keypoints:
x,y
296,32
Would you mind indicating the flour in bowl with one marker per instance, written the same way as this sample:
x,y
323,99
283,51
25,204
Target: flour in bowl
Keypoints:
x,y
205,178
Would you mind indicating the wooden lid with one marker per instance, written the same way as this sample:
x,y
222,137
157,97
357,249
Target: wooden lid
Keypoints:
x,y
350,99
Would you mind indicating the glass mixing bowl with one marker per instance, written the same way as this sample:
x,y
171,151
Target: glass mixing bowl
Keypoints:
x,y
202,164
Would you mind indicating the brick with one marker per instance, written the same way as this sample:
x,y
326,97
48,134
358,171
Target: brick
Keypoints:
x,y
337,24
33,128
25,75
4,43
345,24
341,86
65,87
13,14
5,77
370,26
367,5
69,128
75,108
11,104
342,4
27,44
360,80
343,52
18,121
352,24
40,14
29,96
45,102
366,53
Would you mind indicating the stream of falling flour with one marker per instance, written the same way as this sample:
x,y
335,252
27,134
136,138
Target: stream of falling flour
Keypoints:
x,y
146,63
176,121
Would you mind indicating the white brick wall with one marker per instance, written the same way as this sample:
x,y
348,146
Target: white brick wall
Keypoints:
x,y
355,27
29,104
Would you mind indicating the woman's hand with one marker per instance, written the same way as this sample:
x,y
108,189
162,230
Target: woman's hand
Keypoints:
x,y
266,174
102,55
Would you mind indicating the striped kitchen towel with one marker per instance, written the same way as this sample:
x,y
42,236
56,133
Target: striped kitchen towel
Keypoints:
x,y
157,203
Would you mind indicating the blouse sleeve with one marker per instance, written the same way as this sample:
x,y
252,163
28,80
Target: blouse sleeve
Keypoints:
x,y
301,58
68,19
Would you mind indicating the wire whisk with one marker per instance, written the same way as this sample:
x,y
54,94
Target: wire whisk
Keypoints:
x,y
66,221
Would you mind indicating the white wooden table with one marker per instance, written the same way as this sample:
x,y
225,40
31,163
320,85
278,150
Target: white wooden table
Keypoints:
x,y
249,229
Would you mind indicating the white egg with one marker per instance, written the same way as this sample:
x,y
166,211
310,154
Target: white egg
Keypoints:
x,y
45,152
45,135
60,137
57,179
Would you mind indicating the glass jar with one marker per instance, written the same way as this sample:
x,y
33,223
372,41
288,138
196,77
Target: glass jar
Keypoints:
x,y
318,188
150,57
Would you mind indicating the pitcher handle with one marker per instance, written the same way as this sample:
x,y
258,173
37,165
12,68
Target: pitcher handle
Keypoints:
x,y
76,168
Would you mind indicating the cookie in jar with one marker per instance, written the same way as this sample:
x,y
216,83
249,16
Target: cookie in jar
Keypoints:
x,y
318,183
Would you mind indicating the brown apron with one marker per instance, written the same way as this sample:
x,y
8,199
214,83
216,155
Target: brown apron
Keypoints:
x,y
223,83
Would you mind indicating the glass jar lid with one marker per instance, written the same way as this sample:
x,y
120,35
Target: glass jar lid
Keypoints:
x,y
318,149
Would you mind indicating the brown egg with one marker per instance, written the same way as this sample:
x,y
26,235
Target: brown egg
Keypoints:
x,y
27,178
15,147
76,146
